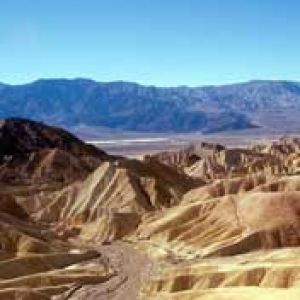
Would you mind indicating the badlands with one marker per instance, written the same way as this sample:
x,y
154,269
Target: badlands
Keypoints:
x,y
204,222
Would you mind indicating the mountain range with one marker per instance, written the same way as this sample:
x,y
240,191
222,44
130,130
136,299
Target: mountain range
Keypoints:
x,y
133,107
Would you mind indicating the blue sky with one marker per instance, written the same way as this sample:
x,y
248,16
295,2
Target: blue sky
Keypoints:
x,y
161,42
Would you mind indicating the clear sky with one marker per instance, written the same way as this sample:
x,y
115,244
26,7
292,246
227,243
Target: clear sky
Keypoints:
x,y
161,42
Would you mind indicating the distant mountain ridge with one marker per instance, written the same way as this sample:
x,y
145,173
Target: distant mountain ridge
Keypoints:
x,y
134,107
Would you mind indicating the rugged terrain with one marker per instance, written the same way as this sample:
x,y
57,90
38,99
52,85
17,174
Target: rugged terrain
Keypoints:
x,y
204,222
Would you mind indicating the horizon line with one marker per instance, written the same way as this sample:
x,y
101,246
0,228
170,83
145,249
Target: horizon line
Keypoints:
x,y
150,85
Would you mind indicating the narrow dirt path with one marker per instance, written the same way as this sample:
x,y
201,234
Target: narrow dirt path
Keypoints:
x,y
132,269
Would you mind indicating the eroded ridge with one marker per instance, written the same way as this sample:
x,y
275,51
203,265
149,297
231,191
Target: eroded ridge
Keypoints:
x,y
206,222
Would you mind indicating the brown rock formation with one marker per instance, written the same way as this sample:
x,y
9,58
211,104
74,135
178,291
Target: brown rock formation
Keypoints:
x,y
215,223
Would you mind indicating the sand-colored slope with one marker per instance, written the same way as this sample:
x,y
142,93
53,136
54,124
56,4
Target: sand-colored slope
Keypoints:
x,y
37,263
39,164
228,225
238,185
210,162
237,293
113,199
258,275
233,239
228,186
216,223
236,163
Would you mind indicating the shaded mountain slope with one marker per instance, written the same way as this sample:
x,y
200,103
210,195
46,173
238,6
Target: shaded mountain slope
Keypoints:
x,y
31,151
20,136
35,262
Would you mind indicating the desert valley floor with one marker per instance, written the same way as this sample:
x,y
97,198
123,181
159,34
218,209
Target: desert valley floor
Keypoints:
x,y
206,221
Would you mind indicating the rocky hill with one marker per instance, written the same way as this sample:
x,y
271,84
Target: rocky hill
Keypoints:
x,y
33,152
58,195
207,222
129,106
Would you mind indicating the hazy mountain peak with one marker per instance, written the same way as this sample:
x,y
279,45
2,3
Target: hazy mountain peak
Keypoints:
x,y
131,106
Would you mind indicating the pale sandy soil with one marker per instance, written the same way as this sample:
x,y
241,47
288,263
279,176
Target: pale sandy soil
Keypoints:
x,y
132,269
